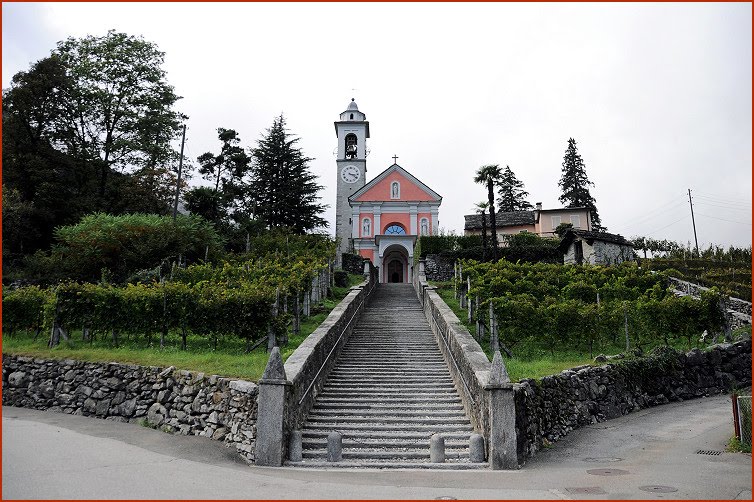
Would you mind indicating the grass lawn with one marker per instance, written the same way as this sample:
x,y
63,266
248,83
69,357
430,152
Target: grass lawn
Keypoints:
x,y
228,359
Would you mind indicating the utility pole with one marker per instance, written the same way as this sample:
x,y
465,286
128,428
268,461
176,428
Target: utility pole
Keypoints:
x,y
180,169
696,242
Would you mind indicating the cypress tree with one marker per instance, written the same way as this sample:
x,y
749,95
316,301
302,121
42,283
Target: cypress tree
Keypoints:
x,y
575,185
283,190
511,193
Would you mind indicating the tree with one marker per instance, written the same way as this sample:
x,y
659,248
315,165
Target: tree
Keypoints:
x,y
511,193
120,111
575,185
489,175
481,209
53,187
226,171
283,192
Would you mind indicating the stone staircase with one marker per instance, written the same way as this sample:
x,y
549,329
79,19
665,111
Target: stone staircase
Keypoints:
x,y
388,393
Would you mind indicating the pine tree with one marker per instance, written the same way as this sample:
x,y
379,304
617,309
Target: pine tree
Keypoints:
x,y
511,193
283,191
575,185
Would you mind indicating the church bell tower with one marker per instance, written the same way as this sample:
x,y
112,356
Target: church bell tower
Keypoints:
x,y
352,131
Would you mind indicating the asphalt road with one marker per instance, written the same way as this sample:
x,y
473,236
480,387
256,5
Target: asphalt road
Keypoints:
x,y
52,455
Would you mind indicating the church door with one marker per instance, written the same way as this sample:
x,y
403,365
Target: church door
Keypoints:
x,y
395,271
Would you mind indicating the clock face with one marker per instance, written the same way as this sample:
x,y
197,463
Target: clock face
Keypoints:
x,y
350,174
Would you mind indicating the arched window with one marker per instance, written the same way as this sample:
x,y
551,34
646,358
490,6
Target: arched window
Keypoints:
x,y
351,148
352,116
395,190
395,229
424,226
366,227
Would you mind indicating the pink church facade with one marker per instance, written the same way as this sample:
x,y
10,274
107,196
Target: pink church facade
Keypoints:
x,y
388,214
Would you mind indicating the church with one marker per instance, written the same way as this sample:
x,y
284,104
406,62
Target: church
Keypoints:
x,y
381,219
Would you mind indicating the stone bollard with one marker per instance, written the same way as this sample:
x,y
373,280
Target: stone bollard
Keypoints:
x,y
437,449
476,448
334,447
296,447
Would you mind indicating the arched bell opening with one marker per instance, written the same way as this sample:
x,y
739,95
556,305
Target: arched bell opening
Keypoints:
x,y
351,146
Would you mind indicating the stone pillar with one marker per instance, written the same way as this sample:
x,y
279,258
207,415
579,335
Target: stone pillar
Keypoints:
x,y
273,387
502,442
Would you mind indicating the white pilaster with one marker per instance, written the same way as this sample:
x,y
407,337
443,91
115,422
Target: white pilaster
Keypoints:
x,y
413,220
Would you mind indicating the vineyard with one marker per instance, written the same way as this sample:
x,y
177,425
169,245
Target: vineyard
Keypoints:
x,y
246,301
546,308
730,277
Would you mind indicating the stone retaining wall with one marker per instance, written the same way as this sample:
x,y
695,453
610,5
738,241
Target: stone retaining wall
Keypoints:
x,y
549,409
734,304
177,401
438,268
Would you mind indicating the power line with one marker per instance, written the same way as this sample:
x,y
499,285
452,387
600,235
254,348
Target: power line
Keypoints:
x,y
650,215
669,224
723,219
724,202
722,197
724,207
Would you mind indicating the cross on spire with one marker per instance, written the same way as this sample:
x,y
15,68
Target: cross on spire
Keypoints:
x,y
395,159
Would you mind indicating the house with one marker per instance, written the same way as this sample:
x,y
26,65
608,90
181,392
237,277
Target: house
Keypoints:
x,y
595,248
542,222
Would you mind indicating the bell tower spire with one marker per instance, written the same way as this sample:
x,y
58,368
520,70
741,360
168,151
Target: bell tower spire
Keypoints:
x,y
352,131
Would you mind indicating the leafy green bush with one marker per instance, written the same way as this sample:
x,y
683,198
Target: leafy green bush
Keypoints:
x,y
555,306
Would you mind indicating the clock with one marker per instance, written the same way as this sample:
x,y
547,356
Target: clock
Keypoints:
x,y
350,174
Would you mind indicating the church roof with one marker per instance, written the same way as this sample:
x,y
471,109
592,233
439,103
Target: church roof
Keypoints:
x,y
384,174
502,219
352,105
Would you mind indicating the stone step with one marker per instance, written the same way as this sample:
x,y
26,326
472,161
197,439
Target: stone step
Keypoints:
x,y
392,453
395,384
380,419
415,413
315,443
397,427
342,380
393,402
457,464
372,435
347,406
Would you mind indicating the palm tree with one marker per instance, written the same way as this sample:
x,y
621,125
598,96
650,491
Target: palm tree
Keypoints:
x,y
481,209
489,175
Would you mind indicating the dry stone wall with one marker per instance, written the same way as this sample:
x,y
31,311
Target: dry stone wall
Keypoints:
x,y
177,401
438,268
549,409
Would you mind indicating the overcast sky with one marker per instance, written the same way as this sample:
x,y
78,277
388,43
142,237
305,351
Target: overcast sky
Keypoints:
x,y
657,96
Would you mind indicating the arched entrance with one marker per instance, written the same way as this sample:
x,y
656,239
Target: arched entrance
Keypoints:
x,y
395,271
395,264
